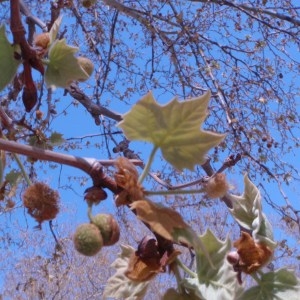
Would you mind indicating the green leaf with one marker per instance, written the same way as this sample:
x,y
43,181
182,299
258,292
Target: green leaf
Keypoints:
x,y
121,287
8,64
219,282
54,29
63,66
280,285
13,177
247,211
56,139
174,128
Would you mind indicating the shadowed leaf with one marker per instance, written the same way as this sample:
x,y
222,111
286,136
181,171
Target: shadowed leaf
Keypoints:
x,y
63,66
247,210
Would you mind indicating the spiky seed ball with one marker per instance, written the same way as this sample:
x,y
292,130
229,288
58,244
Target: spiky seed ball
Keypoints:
x,y
87,65
108,227
87,239
41,202
42,40
217,186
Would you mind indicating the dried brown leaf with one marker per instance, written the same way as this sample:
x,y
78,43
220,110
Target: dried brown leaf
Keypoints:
x,y
127,178
252,255
161,219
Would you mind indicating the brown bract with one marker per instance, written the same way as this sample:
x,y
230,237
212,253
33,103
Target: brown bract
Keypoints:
x,y
162,220
146,262
217,186
127,178
252,256
41,202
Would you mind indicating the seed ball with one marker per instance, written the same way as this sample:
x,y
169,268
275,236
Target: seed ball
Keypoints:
x,y
108,227
87,65
87,239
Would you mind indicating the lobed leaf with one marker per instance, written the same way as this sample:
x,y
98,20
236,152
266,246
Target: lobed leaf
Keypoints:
x,y
174,128
247,211
63,66
119,286
8,63
214,283
54,29
280,284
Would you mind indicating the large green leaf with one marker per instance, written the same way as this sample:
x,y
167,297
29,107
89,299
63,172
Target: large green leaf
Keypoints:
x,y
8,64
174,128
219,282
247,211
280,285
63,67
119,286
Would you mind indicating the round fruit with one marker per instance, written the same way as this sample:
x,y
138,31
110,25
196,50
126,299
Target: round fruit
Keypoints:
x,y
87,239
108,227
87,65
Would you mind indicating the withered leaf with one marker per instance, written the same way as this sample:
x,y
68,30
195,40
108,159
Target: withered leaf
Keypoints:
x,y
162,220
142,269
127,178
252,255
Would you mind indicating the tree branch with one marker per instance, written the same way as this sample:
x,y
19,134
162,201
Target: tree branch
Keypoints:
x,y
91,166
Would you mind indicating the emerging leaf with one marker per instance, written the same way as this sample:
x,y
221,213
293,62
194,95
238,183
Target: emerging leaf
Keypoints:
x,y
56,139
119,286
280,284
218,282
8,63
54,29
174,128
247,211
63,66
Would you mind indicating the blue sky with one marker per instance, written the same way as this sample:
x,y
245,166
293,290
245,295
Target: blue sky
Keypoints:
x,y
78,123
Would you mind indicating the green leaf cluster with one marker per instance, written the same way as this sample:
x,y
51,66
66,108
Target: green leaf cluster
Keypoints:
x,y
219,282
247,211
63,67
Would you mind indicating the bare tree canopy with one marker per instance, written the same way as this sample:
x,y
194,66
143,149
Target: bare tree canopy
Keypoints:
x,y
244,54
